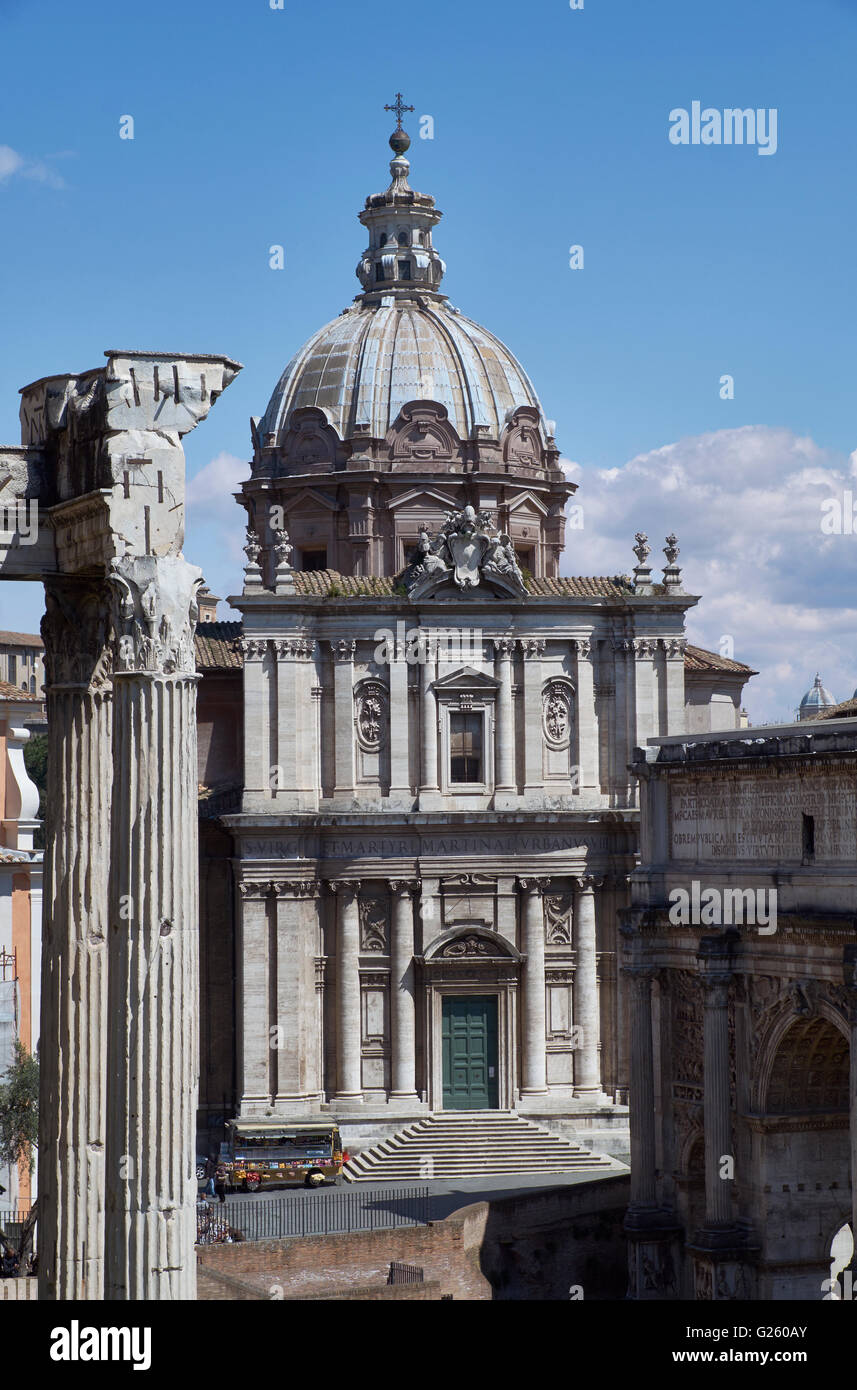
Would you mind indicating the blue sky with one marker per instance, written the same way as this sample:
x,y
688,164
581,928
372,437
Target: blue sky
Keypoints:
x,y
256,126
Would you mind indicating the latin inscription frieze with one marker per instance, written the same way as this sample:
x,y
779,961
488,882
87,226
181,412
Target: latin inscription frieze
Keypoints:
x,y
755,818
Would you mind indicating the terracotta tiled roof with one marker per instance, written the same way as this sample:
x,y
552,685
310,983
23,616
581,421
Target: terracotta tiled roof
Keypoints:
x,y
218,647
12,692
597,586
847,710
20,639
319,583
698,659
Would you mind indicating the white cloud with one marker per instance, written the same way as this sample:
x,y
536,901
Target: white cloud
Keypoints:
x,y
216,524
12,163
746,505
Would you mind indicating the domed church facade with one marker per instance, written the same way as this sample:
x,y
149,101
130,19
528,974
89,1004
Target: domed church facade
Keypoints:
x,y
422,881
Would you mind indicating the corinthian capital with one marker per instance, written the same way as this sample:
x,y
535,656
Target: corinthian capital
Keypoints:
x,y
533,648
76,631
154,614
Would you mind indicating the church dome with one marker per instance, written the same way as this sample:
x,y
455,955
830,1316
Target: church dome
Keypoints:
x,y
815,699
362,368
401,340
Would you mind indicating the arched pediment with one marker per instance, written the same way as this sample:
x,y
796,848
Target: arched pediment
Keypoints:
x,y
310,442
471,942
522,439
422,434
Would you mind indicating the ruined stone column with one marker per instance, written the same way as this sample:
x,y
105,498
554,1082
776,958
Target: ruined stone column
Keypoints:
x,y
72,1119
101,453
348,1022
587,1081
153,1021
403,1002
717,1115
534,1033
642,1094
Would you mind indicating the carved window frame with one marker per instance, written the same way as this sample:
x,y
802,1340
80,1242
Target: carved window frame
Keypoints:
x,y
475,700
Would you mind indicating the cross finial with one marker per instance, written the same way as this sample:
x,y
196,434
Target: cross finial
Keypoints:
x,y
400,108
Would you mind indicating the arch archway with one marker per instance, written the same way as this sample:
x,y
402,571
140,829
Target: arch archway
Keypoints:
x,y
801,1150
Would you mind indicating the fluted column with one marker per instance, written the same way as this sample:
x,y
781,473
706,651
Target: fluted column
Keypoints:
x,y
72,1116
534,1031
504,756
428,719
642,1093
587,1082
348,1023
153,973
403,1001
717,1112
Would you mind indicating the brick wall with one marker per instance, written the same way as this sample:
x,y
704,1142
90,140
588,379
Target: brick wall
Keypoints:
x,y
536,1245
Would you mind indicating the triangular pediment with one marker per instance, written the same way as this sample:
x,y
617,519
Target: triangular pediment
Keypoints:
x,y
307,500
527,499
431,496
466,678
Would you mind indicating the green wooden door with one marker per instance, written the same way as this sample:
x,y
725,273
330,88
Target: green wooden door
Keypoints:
x,y
470,1053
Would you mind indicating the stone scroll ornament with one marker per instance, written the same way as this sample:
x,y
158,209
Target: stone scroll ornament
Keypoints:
x,y
467,553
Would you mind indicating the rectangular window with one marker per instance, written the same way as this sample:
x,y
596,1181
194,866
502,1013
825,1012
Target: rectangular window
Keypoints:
x,y
313,560
404,270
465,748
13,669
808,837
379,270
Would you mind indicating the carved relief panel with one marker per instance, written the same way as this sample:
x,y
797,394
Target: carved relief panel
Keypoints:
x,y
371,726
558,715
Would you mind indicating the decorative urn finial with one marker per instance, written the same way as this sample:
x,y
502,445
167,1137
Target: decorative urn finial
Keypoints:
x,y
672,573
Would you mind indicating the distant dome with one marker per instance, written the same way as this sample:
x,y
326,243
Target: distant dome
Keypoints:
x,y
815,699
388,350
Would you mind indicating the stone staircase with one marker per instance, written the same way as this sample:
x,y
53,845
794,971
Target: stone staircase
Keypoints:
x,y
472,1145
